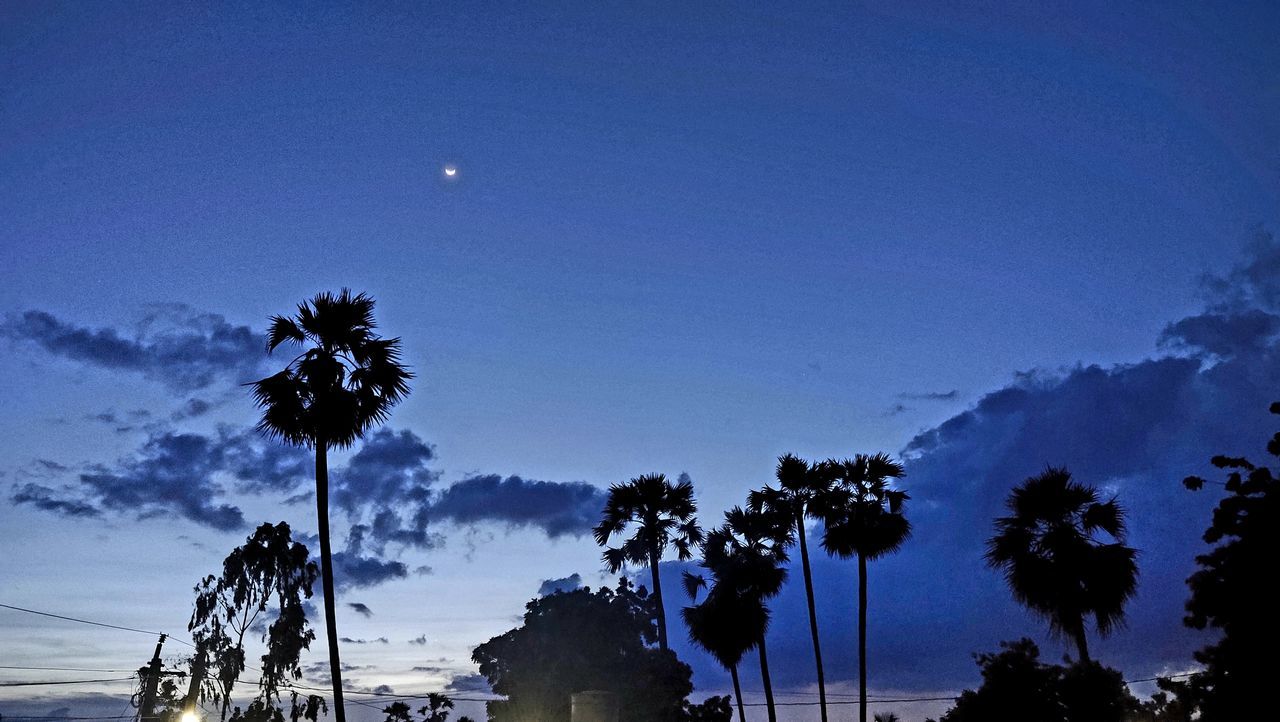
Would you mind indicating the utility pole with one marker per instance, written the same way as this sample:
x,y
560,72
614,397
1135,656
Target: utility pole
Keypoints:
x,y
150,682
193,691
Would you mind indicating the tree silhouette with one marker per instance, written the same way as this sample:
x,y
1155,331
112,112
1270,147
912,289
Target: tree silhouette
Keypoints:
x,y
578,641
1232,592
269,576
345,381
726,626
799,484
864,519
1018,687
436,709
1053,562
745,556
662,515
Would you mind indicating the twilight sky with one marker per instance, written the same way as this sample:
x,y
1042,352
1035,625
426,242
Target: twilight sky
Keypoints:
x,y
680,239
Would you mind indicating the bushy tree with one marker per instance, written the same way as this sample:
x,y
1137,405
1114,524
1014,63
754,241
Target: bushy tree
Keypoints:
x,y
1232,591
584,641
1018,687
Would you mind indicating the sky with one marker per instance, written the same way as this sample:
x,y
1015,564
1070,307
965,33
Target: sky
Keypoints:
x,y
982,237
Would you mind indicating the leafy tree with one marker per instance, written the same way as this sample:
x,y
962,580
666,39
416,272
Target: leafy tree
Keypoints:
x,y
864,519
662,514
1053,561
799,485
584,641
264,580
1232,591
1018,687
307,708
345,381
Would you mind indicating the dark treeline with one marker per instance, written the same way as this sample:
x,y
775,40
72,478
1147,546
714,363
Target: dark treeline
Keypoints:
x,y
1061,548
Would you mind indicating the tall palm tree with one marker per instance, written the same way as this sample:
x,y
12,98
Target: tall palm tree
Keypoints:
x,y
663,514
1053,560
864,519
799,483
746,556
726,625
344,382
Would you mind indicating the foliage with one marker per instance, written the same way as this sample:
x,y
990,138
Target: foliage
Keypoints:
x,y
1018,687
711,709
1053,561
346,382
1230,592
307,708
435,710
265,580
579,641
662,514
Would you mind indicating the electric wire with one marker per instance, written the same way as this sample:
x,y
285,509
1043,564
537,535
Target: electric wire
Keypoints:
x,y
96,624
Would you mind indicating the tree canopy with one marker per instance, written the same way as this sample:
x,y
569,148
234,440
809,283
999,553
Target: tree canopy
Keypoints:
x,y
582,641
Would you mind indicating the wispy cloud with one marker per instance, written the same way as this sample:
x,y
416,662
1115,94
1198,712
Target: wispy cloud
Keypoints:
x,y
180,347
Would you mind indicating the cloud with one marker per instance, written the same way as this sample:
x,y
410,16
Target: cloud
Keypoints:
x,y
420,640
558,508
468,683
931,395
349,640
175,345
179,473
354,571
385,489
563,584
361,608
1133,430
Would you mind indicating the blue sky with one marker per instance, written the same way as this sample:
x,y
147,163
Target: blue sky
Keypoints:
x,y
680,240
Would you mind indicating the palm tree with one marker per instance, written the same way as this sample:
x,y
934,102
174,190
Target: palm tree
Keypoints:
x,y
746,556
799,483
345,381
663,515
726,625
1053,560
864,519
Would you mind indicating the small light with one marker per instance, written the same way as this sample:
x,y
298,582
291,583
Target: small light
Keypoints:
x,y
450,171
190,716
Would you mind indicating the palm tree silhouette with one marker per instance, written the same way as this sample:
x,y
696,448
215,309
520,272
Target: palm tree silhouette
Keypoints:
x,y
746,556
799,483
1053,561
864,519
663,515
726,625
343,383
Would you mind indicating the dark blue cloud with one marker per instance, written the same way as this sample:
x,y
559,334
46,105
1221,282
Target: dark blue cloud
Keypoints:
x,y
558,508
354,571
179,473
563,584
385,490
1133,430
359,608
175,345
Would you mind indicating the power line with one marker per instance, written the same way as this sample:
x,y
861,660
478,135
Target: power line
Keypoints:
x,y
73,681
27,716
96,624
65,669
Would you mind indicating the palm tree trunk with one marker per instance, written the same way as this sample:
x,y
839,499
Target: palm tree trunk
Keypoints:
x,y
1082,643
768,684
737,693
862,638
657,598
813,615
326,575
